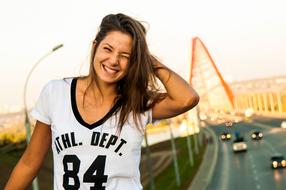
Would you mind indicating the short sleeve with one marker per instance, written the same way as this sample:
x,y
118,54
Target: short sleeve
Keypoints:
x,y
41,111
149,114
151,120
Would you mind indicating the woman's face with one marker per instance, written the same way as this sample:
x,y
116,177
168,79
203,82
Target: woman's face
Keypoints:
x,y
112,57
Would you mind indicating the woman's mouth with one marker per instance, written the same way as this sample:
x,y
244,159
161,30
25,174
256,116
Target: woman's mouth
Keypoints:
x,y
110,70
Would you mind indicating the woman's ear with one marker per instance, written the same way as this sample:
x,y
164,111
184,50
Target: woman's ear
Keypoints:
x,y
94,43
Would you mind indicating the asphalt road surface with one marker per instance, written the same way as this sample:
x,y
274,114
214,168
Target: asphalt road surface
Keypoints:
x,y
250,170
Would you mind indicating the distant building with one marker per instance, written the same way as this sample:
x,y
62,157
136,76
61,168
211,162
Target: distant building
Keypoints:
x,y
265,96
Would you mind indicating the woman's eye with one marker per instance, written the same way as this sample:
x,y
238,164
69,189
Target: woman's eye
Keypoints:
x,y
125,57
107,49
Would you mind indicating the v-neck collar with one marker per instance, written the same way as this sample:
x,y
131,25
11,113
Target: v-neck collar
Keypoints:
x,y
77,114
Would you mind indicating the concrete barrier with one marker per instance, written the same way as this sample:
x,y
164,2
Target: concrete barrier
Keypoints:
x,y
206,170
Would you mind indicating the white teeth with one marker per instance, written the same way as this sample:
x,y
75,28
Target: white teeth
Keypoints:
x,y
109,70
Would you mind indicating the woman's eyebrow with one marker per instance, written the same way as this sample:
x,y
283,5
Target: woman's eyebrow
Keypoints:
x,y
123,52
108,45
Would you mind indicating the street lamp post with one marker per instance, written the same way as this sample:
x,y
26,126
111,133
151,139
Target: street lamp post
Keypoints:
x,y
149,163
27,121
174,154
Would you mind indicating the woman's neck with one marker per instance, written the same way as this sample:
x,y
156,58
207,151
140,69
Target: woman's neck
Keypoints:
x,y
101,91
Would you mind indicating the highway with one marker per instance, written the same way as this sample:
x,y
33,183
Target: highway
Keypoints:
x,y
251,169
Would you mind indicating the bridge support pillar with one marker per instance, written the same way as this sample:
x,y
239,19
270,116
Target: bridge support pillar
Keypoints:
x,y
279,102
265,102
260,108
271,98
255,106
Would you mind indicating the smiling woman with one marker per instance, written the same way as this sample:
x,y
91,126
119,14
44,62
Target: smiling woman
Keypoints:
x,y
112,57
96,123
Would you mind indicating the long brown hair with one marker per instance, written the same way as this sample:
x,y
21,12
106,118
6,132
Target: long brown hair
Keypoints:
x,y
138,90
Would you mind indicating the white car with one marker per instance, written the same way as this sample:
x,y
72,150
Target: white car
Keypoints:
x,y
239,145
283,124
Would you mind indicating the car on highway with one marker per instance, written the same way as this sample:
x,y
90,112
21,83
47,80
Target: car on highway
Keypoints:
x,y
256,135
278,161
283,124
225,136
239,145
228,123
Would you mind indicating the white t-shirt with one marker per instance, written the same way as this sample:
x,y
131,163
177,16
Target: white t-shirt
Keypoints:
x,y
89,156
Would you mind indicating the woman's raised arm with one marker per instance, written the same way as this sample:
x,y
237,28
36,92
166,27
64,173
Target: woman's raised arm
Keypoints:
x,y
180,96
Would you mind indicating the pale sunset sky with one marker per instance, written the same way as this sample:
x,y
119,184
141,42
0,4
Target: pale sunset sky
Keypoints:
x,y
246,38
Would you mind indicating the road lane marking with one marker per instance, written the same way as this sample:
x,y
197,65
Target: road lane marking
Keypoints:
x,y
274,151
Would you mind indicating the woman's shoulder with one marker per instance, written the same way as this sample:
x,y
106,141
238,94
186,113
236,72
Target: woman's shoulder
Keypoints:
x,y
55,85
60,82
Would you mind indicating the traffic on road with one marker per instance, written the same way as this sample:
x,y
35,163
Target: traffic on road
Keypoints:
x,y
253,158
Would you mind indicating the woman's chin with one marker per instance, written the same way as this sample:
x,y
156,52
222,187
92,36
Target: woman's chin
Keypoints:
x,y
109,80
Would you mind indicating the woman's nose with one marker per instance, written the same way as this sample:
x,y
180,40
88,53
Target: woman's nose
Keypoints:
x,y
114,59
